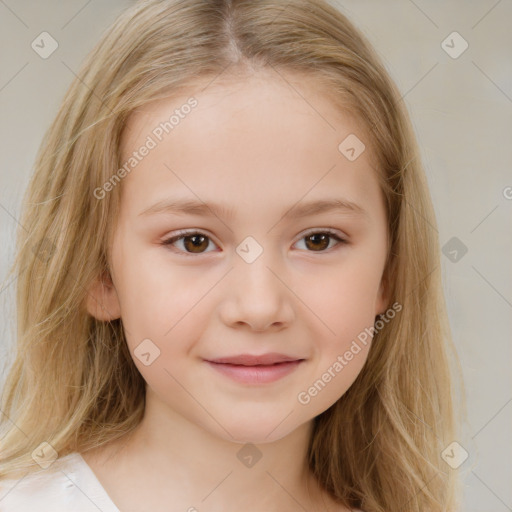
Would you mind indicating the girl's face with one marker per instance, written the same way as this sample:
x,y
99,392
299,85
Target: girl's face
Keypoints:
x,y
260,269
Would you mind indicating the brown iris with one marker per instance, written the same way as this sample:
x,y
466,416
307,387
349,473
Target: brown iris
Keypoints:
x,y
320,241
197,243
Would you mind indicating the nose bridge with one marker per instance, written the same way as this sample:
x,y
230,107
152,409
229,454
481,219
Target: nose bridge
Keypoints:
x,y
252,271
255,294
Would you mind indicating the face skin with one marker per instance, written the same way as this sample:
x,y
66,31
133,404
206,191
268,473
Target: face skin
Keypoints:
x,y
258,147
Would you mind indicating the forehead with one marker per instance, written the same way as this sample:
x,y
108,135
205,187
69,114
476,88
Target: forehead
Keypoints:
x,y
271,135
280,96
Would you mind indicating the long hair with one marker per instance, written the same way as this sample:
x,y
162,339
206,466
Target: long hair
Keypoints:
x,y
73,383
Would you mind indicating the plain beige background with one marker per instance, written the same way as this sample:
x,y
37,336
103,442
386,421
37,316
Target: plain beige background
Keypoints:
x,y
462,113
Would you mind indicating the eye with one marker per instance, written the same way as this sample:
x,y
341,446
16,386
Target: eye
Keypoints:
x,y
195,242
319,240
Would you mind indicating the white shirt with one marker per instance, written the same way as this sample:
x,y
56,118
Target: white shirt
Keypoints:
x,y
68,485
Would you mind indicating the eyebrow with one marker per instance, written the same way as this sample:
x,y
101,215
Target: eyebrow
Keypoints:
x,y
195,207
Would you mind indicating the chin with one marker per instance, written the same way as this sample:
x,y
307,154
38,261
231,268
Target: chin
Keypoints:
x,y
255,430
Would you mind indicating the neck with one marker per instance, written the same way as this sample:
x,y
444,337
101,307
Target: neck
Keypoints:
x,y
198,470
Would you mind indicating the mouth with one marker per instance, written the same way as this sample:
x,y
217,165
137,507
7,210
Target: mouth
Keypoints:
x,y
249,369
254,360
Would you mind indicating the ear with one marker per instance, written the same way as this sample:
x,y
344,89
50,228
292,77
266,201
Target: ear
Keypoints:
x,y
383,299
102,301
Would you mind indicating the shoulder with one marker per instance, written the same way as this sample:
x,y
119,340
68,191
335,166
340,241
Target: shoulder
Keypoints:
x,y
63,486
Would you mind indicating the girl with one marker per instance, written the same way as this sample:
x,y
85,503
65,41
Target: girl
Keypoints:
x,y
229,293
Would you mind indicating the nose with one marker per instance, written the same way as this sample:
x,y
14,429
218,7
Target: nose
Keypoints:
x,y
256,296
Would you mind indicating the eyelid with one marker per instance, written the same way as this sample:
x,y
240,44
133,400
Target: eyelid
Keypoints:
x,y
330,231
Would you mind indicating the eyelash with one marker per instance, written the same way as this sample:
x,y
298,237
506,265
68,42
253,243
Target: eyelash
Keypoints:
x,y
183,234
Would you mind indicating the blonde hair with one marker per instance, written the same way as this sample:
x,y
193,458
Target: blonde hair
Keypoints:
x,y
73,383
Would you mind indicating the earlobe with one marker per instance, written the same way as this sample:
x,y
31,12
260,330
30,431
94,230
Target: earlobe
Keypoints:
x,y
102,301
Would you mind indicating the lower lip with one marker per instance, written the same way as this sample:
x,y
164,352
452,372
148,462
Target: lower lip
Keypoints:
x,y
260,374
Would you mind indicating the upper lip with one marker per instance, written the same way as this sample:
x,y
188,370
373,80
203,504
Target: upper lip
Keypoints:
x,y
253,360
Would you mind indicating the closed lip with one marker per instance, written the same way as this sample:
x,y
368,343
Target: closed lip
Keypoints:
x,y
255,360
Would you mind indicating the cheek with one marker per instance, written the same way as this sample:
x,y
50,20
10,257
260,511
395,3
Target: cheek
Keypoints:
x,y
344,300
162,316
166,306
345,303
342,339
154,293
